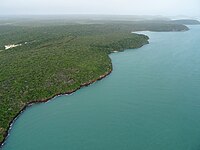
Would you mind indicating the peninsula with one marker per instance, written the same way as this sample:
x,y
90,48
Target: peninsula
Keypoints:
x,y
60,56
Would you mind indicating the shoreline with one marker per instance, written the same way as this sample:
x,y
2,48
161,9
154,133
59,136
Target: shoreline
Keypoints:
x,y
29,104
6,135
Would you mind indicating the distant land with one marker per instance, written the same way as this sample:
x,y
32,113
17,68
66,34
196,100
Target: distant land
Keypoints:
x,y
186,22
41,58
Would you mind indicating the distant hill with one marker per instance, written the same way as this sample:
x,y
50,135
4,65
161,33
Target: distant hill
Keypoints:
x,y
186,22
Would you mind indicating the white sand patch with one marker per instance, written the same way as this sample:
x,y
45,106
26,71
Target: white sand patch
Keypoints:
x,y
11,46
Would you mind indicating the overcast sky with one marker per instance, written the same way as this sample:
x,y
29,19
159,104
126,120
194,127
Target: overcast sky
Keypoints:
x,y
123,7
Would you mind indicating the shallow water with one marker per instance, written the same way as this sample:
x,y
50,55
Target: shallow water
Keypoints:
x,y
151,101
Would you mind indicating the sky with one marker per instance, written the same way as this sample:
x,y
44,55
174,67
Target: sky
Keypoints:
x,y
115,7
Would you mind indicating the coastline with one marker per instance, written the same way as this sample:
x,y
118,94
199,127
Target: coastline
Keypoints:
x,y
48,99
7,130
6,133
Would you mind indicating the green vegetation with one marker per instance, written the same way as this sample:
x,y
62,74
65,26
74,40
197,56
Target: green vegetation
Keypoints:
x,y
59,57
187,22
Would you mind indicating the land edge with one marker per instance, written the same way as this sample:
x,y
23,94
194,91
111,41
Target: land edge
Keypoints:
x,y
48,99
6,134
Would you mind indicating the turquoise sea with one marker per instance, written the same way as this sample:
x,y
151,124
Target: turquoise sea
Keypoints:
x,y
151,101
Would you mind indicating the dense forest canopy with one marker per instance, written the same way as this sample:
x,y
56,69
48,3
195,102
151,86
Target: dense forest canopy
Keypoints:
x,y
52,57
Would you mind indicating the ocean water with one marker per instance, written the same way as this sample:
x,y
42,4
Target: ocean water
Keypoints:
x,y
151,101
